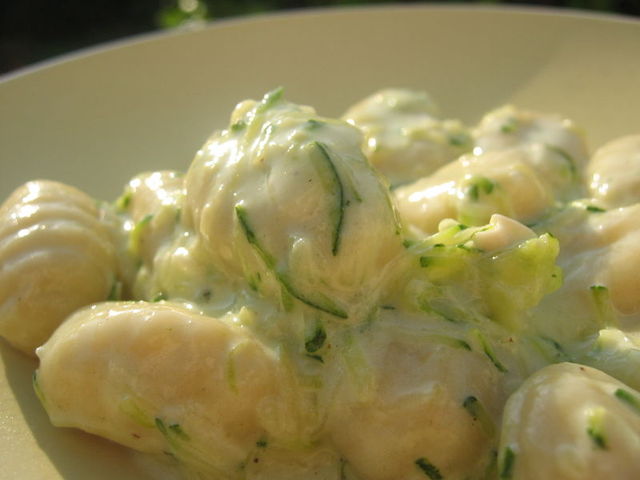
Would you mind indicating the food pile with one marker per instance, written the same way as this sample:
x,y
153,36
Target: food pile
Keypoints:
x,y
386,296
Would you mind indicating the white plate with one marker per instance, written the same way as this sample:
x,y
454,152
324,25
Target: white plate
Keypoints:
x,y
95,119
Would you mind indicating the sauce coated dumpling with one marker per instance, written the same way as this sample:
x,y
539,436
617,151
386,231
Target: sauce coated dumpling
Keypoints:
x,y
523,183
613,173
153,201
55,257
429,407
286,199
403,136
159,377
522,164
150,210
600,268
570,422
509,127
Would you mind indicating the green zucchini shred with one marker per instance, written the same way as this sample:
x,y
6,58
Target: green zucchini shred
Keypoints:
x,y
629,399
270,99
316,341
479,185
339,193
159,297
36,387
604,308
262,443
571,164
509,126
488,351
323,304
478,413
508,462
428,469
594,209
595,429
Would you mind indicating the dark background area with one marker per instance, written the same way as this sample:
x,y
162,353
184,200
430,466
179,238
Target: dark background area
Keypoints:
x,y
34,30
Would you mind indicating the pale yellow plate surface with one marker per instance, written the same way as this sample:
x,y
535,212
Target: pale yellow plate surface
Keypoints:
x,y
96,119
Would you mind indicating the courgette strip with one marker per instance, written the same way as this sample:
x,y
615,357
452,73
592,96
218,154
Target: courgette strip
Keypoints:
x,y
324,305
335,183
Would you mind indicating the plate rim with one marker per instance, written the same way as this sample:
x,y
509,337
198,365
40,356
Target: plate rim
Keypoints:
x,y
295,13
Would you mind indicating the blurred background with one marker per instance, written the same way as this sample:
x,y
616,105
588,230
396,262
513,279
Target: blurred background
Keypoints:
x,y
34,30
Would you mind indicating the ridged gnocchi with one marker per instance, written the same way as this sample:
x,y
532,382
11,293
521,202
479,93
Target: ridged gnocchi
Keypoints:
x,y
55,257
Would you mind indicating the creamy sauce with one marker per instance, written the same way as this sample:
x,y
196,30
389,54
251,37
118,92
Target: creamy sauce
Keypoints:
x,y
387,296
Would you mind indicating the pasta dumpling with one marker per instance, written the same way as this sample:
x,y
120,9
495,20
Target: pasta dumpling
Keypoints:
x,y
149,216
570,422
55,257
153,202
613,173
430,406
523,183
404,138
508,127
161,377
286,199
600,271
523,163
